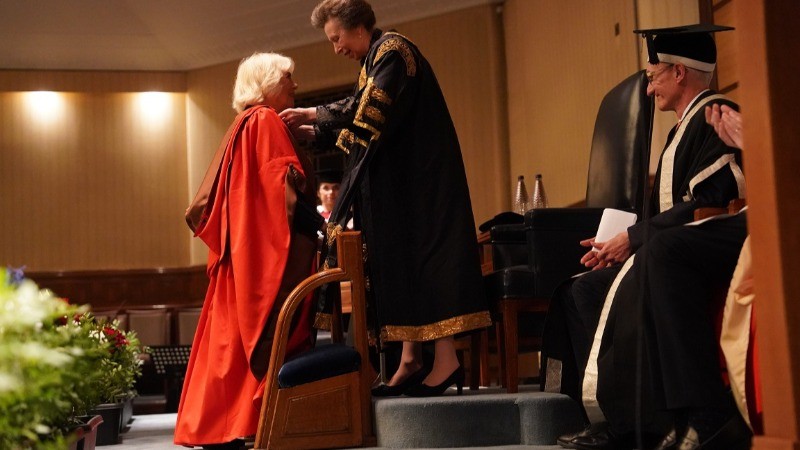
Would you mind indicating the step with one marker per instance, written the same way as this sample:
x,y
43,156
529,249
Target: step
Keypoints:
x,y
499,447
485,418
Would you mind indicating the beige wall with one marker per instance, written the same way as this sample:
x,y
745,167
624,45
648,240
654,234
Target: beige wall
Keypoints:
x,y
562,59
89,178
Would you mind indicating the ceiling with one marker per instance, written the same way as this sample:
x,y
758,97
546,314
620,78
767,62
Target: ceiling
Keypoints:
x,y
169,35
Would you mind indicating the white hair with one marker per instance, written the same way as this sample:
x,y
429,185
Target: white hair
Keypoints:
x,y
258,77
701,76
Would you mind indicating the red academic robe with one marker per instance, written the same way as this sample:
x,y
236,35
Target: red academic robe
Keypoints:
x,y
246,225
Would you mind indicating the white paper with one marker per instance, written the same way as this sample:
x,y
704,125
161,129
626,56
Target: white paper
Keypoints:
x,y
612,223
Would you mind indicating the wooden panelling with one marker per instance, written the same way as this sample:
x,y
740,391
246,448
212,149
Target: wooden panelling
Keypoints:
x,y
88,81
563,57
727,56
465,49
92,180
770,93
125,289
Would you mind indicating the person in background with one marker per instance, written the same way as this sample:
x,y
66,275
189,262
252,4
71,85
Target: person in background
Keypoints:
x,y
330,182
407,184
254,210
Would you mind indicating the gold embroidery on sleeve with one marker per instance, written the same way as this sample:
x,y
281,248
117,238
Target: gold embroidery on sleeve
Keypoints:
x,y
333,231
362,77
374,114
347,139
369,115
398,45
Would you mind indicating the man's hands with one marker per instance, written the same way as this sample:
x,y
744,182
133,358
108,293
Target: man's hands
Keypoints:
x,y
727,123
614,251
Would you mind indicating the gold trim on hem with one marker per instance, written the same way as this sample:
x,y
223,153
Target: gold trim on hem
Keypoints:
x,y
323,321
444,328
333,231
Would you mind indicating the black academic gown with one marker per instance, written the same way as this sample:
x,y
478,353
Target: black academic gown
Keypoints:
x,y
405,178
664,270
704,172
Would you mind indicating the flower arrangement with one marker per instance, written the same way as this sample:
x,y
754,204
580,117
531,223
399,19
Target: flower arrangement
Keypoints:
x,y
56,362
121,363
48,368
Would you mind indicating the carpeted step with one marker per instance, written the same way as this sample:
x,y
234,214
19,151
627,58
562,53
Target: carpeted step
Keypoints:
x,y
478,419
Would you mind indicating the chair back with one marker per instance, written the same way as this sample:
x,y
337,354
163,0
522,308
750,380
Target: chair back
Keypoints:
x,y
619,163
152,326
187,319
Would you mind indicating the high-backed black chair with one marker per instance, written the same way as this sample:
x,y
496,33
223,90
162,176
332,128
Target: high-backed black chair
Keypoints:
x,y
530,260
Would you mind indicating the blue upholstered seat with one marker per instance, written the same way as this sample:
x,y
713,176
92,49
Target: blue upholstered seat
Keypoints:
x,y
322,362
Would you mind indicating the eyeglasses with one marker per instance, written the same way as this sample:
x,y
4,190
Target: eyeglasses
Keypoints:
x,y
652,75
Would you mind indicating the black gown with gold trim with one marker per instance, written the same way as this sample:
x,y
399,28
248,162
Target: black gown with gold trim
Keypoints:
x,y
406,182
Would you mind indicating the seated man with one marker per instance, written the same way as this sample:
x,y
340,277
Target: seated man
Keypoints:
x,y
696,169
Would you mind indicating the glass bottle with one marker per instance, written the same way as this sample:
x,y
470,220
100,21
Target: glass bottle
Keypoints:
x,y
521,196
539,197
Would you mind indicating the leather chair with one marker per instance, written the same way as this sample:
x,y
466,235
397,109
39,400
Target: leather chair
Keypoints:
x,y
321,398
531,259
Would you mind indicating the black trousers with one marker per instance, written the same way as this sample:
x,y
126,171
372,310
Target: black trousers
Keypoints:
x,y
686,267
660,349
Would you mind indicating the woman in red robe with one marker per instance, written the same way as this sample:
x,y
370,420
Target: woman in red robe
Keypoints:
x,y
255,212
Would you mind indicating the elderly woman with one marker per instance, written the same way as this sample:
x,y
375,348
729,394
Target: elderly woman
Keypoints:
x,y
407,183
255,212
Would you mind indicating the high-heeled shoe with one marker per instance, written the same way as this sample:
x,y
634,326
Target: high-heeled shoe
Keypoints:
x,y
412,380
423,390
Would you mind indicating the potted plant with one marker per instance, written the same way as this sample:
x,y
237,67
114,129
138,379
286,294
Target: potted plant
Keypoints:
x,y
119,367
48,366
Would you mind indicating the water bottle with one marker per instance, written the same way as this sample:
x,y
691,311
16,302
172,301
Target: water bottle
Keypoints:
x,y
521,196
539,197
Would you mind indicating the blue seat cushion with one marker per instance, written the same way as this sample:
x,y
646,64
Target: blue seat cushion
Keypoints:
x,y
321,362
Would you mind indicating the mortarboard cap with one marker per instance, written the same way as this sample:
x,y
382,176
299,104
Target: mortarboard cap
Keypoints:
x,y
690,45
329,176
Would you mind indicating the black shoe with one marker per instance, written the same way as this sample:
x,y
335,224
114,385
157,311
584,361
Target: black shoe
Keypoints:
x,y
414,379
734,434
423,390
600,438
566,440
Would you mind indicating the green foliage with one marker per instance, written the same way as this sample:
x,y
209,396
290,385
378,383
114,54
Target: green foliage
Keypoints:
x,y
56,362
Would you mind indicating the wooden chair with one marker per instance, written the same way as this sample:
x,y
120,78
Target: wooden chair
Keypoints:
x,y
334,410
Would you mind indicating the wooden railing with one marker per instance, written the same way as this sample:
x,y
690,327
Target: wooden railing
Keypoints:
x,y
121,289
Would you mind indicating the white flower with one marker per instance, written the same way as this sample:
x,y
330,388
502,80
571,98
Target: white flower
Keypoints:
x,y
9,382
36,352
